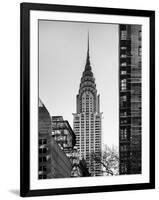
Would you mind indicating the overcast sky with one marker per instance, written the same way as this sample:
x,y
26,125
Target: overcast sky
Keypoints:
x,y
62,58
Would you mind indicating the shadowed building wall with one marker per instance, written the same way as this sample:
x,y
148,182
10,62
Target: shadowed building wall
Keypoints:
x,y
53,162
60,166
130,99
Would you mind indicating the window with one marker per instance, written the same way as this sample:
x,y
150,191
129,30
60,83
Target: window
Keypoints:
x,y
42,159
123,98
123,35
123,84
123,168
123,121
42,168
123,48
123,72
123,64
123,148
123,114
139,51
123,56
42,141
43,150
123,133
139,35
42,176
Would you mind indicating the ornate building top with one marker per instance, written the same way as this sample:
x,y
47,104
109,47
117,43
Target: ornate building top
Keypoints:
x,y
87,80
87,89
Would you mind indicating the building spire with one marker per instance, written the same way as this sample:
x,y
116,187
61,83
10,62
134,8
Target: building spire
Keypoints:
x,y
88,46
88,58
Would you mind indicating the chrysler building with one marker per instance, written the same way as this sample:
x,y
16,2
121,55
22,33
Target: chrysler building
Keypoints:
x,y
87,119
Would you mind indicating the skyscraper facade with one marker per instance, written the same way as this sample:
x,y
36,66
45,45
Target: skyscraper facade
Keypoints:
x,y
130,99
53,162
87,120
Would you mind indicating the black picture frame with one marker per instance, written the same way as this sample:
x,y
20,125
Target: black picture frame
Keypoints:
x,y
25,9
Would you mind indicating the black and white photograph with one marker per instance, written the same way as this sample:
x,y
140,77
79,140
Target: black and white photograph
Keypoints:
x,y
89,99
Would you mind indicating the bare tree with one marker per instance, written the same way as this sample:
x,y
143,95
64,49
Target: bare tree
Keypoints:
x,y
109,160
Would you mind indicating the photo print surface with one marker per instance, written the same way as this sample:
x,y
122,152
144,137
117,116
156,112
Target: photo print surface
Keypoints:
x,y
89,113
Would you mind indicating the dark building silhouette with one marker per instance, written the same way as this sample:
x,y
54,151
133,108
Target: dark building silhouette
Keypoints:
x,y
87,119
53,162
44,142
61,166
130,99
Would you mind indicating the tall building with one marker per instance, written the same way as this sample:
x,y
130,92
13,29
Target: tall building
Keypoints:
x,y
130,99
64,136
87,119
44,146
53,162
